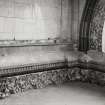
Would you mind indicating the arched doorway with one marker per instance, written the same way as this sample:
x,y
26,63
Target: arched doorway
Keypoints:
x,y
85,25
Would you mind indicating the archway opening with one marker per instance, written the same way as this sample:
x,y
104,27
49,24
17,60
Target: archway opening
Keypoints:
x,y
103,38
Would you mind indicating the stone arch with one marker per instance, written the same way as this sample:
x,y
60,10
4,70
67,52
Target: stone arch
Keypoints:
x,y
85,26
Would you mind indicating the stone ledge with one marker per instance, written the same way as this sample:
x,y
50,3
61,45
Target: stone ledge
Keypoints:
x,y
22,78
34,68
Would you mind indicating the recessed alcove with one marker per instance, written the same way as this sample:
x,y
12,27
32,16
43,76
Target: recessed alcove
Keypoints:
x,y
40,51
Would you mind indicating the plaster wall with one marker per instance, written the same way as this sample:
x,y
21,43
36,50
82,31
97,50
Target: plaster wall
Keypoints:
x,y
34,19
40,19
77,10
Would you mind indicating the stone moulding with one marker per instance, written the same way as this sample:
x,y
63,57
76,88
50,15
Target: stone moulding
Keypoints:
x,y
25,43
34,68
31,68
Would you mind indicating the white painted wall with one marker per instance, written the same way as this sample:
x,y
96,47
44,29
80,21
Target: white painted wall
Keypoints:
x,y
77,9
40,19
33,19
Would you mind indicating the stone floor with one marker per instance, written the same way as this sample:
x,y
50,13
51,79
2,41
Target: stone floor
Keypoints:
x,y
67,94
